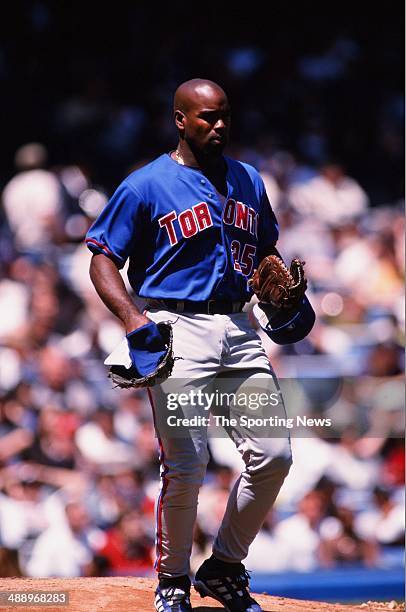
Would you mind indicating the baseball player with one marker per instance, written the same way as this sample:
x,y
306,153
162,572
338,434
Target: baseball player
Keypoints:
x,y
194,224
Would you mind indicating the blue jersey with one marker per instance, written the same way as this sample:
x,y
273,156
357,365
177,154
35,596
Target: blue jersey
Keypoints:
x,y
183,240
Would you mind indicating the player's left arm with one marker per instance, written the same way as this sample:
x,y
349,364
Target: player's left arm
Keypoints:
x,y
268,228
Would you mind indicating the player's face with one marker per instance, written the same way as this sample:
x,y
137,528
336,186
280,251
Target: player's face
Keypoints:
x,y
207,124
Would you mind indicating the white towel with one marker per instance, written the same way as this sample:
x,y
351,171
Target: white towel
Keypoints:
x,y
120,355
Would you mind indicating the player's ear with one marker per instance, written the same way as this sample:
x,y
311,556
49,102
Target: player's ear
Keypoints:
x,y
179,119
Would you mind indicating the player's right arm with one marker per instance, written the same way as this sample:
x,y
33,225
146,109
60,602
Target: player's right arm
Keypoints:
x,y
110,239
109,284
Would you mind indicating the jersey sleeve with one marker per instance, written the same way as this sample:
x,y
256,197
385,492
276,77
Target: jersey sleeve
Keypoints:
x,y
118,226
268,228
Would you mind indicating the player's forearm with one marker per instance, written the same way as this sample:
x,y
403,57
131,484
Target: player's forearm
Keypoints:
x,y
110,286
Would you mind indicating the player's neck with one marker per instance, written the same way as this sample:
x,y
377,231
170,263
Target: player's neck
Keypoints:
x,y
214,169
186,157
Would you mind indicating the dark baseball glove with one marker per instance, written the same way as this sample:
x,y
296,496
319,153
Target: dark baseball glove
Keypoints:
x,y
129,377
275,284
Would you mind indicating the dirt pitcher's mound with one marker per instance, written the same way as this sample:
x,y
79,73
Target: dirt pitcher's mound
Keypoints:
x,y
137,595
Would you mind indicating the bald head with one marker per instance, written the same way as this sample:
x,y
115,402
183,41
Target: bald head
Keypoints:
x,y
202,116
196,91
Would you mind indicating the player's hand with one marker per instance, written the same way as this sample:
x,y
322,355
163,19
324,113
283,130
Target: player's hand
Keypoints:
x,y
147,348
151,352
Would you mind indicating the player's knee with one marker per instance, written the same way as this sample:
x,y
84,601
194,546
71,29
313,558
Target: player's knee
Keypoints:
x,y
189,473
270,468
196,472
283,465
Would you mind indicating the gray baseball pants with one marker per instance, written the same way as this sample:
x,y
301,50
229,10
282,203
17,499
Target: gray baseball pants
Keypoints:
x,y
220,353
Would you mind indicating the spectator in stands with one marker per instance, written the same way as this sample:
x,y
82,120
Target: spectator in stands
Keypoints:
x,y
97,442
300,534
65,549
343,545
213,498
384,522
259,558
22,511
332,196
128,548
33,200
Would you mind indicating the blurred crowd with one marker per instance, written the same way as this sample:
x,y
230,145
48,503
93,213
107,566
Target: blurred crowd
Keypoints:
x,y
318,109
79,469
318,85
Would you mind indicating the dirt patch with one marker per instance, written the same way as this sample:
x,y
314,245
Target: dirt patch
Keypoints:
x,y
137,595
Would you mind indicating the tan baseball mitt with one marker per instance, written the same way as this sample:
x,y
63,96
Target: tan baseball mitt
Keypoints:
x,y
273,283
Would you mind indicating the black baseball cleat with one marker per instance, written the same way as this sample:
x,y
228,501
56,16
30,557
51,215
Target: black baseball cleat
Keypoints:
x,y
173,595
226,582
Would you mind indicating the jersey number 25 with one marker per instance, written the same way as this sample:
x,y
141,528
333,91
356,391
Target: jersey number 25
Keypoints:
x,y
243,257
